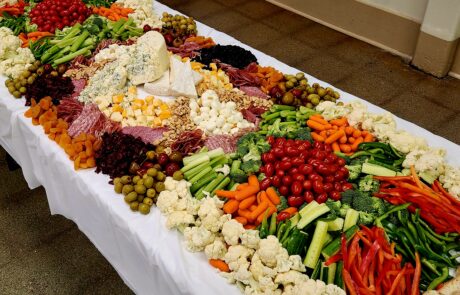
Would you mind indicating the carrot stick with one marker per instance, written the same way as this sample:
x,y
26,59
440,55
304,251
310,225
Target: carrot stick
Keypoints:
x,y
319,119
273,196
290,210
315,125
259,210
249,226
246,203
253,181
335,147
317,137
247,192
231,206
219,264
339,122
226,194
334,137
242,220
354,145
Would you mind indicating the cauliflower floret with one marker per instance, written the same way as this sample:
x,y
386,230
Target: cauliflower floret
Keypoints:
x,y
312,287
296,263
237,258
224,170
430,162
170,184
250,239
329,110
231,230
357,114
271,252
406,142
259,270
167,201
290,277
451,180
197,238
216,250
179,219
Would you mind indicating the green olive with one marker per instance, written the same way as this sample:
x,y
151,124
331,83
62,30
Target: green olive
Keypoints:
x,y
126,179
34,75
26,74
140,189
157,166
336,94
61,69
313,96
309,105
30,80
134,206
131,197
144,208
148,182
140,198
23,82
160,176
118,187
148,201
150,155
159,187
303,82
17,85
159,149
321,91
40,71
116,180
151,193
289,84
140,182
178,175
328,97
176,157
310,90
54,73
127,188
37,63
32,68
11,89
300,76
136,178
152,172
17,94
315,101
23,90
315,85
288,98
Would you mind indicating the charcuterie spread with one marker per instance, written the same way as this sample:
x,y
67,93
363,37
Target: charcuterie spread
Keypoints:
x,y
283,186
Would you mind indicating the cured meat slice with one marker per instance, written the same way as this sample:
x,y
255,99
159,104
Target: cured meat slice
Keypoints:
x,y
147,134
226,142
188,142
92,121
253,91
69,109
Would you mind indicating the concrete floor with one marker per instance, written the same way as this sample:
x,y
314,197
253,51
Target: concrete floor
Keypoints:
x,y
44,254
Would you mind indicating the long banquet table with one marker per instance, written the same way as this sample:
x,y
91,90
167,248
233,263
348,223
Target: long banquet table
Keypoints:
x,y
150,258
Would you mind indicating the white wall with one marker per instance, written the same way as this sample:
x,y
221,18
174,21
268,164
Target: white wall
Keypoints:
x,y
410,9
442,19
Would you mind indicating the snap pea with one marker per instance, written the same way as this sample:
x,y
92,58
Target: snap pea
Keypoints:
x,y
440,279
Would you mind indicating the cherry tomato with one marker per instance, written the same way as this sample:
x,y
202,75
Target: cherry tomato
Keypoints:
x,y
308,196
341,161
269,169
296,188
285,165
328,187
298,177
322,169
337,186
266,183
292,151
332,158
283,216
318,145
318,186
271,140
279,173
327,179
287,180
297,161
304,155
306,169
335,195
314,177
271,157
306,144
294,171
279,153
280,141
321,155
262,169
347,186
295,201
321,198
290,142
264,157
345,171
276,181
327,148
307,185
284,190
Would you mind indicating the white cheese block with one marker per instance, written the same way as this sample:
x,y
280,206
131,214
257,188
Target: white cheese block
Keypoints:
x,y
150,60
160,86
182,82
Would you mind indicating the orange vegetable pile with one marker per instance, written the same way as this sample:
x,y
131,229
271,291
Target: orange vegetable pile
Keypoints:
x,y
338,133
269,77
34,36
16,9
80,149
203,42
114,13
248,204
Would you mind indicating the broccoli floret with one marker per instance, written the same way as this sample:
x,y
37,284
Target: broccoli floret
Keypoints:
x,y
261,177
236,173
369,184
348,195
353,171
253,144
253,154
366,203
334,206
283,204
366,218
302,134
251,166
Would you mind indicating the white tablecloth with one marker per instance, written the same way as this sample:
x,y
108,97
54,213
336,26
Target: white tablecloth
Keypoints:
x,y
149,258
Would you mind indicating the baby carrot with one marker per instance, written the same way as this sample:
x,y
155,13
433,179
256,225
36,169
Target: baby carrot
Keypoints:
x,y
290,210
319,119
315,125
351,139
346,148
259,210
253,207
349,130
339,122
231,206
355,144
368,137
247,192
249,226
264,198
246,203
343,139
244,213
252,180
334,137
356,133
335,147
241,186
273,196
324,134
219,264
317,137
241,219
225,194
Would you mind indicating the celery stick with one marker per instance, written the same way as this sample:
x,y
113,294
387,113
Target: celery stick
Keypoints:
x,y
216,153
221,185
310,207
79,41
69,57
221,160
192,172
312,215
189,159
199,175
317,243
210,186
202,182
195,163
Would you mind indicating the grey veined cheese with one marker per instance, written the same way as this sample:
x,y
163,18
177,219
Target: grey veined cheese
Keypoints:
x,y
150,60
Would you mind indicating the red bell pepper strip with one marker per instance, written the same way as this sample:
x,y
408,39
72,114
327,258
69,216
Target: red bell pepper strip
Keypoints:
x,y
349,282
333,259
418,271
370,256
397,280
343,241
353,251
